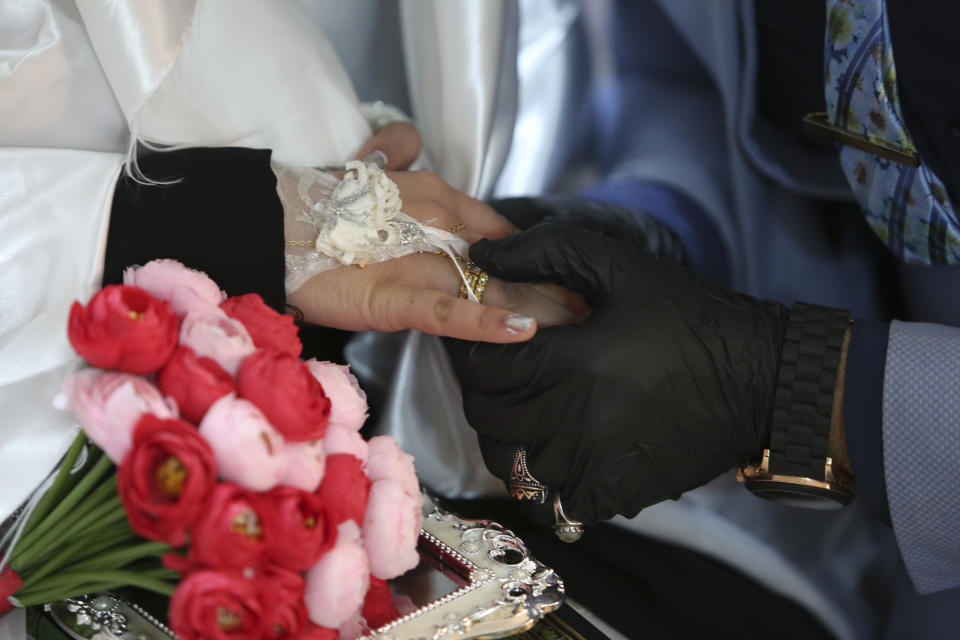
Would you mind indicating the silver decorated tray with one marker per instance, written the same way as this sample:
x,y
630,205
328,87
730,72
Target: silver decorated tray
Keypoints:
x,y
476,580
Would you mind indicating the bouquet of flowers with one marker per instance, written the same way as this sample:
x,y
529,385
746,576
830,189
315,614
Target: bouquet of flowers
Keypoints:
x,y
216,467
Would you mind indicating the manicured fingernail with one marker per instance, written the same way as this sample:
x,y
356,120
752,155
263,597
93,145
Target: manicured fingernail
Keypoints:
x,y
517,323
377,157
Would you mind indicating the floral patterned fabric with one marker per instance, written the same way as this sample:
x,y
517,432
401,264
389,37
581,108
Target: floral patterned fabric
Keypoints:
x,y
907,207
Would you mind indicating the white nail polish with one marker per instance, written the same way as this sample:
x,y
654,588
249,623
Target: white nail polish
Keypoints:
x,y
377,157
517,323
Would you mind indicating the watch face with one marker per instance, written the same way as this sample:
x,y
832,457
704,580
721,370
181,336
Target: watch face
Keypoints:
x,y
799,495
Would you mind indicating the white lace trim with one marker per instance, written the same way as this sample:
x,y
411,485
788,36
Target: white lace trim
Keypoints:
x,y
355,220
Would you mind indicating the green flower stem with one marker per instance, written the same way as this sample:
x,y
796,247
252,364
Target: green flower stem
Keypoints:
x,y
52,595
61,484
115,558
90,517
90,543
63,510
39,541
102,518
95,582
72,583
120,556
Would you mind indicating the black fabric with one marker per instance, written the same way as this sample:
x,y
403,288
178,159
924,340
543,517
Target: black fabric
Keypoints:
x,y
863,413
789,40
667,384
223,217
926,51
651,590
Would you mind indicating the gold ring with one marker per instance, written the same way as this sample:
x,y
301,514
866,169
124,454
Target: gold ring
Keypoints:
x,y
457,229
477,278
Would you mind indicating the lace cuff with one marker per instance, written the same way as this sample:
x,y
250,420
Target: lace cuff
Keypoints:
x,y
330,222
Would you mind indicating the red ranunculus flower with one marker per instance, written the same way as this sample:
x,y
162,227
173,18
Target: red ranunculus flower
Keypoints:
x,y
378,607
216,605
345,489
195,382
281,600
283,388
313,632
298,530
229,534
267,327
164,479
124,328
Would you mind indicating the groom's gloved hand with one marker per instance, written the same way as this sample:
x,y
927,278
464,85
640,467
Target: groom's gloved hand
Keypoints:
x,y
629,225
667,384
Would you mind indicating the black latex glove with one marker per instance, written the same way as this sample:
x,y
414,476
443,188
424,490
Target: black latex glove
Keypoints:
x,y
617,221
666,385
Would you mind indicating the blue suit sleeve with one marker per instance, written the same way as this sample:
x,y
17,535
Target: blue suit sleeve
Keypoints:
x,y
863,413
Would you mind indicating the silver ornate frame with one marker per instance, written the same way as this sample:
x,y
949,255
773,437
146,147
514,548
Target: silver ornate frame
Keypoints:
x,y
501,590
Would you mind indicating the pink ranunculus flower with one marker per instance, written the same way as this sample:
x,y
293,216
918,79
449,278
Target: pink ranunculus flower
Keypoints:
x,y
214,334
109,404
337,584
348,401
302,464
391,526
185,289
343,440
388,461
247,447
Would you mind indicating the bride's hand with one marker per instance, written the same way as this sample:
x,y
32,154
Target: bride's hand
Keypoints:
x,y
398,141
420,291
428,198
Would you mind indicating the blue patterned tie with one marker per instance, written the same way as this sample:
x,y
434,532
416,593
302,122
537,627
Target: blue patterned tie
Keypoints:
x,y
907,207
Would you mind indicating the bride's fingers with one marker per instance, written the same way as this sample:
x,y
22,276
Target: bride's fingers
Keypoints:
x,y
438,272
398,141
438,313
526,300
482,221
420,291
570,300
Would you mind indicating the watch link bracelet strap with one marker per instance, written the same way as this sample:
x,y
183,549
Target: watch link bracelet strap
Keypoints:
x,y
806,379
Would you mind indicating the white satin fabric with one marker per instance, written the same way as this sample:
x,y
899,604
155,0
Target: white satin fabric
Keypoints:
x,y
228,72
52,90
464,98
52,239
553,68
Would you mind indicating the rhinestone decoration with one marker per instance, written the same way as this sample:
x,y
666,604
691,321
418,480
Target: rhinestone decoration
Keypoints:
x,y
470,547
98,612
